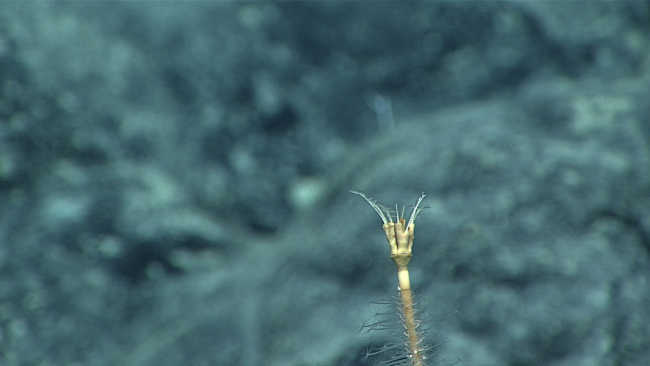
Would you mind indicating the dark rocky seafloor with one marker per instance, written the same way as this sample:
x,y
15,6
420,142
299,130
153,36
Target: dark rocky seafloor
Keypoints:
x,y
174,180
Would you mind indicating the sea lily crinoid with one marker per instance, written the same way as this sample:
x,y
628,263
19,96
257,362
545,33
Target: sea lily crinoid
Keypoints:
x,y
400,234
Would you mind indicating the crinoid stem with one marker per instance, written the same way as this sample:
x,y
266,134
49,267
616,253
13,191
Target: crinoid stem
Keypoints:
x,y
400,234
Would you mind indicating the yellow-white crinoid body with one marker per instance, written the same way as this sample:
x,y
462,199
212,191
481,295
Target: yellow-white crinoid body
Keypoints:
x,y
400,234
